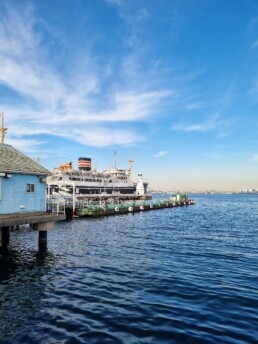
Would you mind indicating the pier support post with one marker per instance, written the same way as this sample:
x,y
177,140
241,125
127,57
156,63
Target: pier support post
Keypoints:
x,y
43,237
5,235
42,228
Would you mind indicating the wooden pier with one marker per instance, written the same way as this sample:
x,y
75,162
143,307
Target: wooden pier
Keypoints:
x,y
41,222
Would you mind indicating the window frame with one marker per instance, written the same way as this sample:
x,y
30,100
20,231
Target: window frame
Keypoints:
x,y
30,188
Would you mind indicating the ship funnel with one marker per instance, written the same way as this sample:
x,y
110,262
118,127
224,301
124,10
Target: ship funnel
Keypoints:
x,y
84,164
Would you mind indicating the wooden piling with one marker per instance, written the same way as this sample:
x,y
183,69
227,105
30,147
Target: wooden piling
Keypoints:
x,y
5,235
42,237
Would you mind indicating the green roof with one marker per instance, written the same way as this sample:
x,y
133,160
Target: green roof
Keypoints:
x,y
13,161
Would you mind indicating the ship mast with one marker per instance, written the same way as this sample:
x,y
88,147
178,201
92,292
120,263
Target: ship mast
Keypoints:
x,y
131,167
3,130
115,158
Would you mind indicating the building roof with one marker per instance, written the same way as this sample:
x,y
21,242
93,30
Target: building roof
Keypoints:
x,y
13,161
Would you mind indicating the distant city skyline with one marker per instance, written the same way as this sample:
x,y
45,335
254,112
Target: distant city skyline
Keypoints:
x,y
172,84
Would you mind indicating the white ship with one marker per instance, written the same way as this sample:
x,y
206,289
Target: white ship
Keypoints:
x,y
85,183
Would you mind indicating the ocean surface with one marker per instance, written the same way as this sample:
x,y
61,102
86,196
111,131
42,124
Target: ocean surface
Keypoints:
x,y
181,275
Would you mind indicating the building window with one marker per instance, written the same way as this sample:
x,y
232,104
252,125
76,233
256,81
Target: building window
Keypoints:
x,y
30,188
0,188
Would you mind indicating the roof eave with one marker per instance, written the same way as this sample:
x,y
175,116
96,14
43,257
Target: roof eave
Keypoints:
x,y
22,172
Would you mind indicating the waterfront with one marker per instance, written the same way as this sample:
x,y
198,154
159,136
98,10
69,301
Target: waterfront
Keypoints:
x,y
181,275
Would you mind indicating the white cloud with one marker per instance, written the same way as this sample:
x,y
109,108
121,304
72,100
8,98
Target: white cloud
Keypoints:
x,y
211,123
193,127
193,106
22,68
26,145
101,137
160,154
78,108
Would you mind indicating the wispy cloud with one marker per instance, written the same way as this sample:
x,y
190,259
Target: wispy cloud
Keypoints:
x,y
193,106
142,14
201,127
53,105
214,122
160,154
21,67
29,146
193,127
124,7
255,44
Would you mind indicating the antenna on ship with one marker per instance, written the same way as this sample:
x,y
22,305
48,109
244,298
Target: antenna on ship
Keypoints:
x,y
115,157
131,166
3,130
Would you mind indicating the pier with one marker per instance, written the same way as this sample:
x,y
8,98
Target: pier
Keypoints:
x,y
41,222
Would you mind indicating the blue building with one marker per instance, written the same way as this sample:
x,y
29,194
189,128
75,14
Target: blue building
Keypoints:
x,y
22,182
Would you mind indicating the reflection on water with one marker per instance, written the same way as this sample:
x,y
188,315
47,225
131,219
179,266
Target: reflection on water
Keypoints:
x,y
14,261
23,286
183,275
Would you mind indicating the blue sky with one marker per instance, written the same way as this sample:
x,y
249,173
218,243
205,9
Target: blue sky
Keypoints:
x,y
172,83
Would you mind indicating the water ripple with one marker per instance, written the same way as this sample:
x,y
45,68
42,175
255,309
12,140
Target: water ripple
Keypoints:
x,y
183,275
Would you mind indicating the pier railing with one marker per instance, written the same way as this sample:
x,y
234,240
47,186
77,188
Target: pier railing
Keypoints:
x,y
56,207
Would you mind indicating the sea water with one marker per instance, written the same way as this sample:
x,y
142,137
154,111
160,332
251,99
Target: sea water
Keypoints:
x,y
181,275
